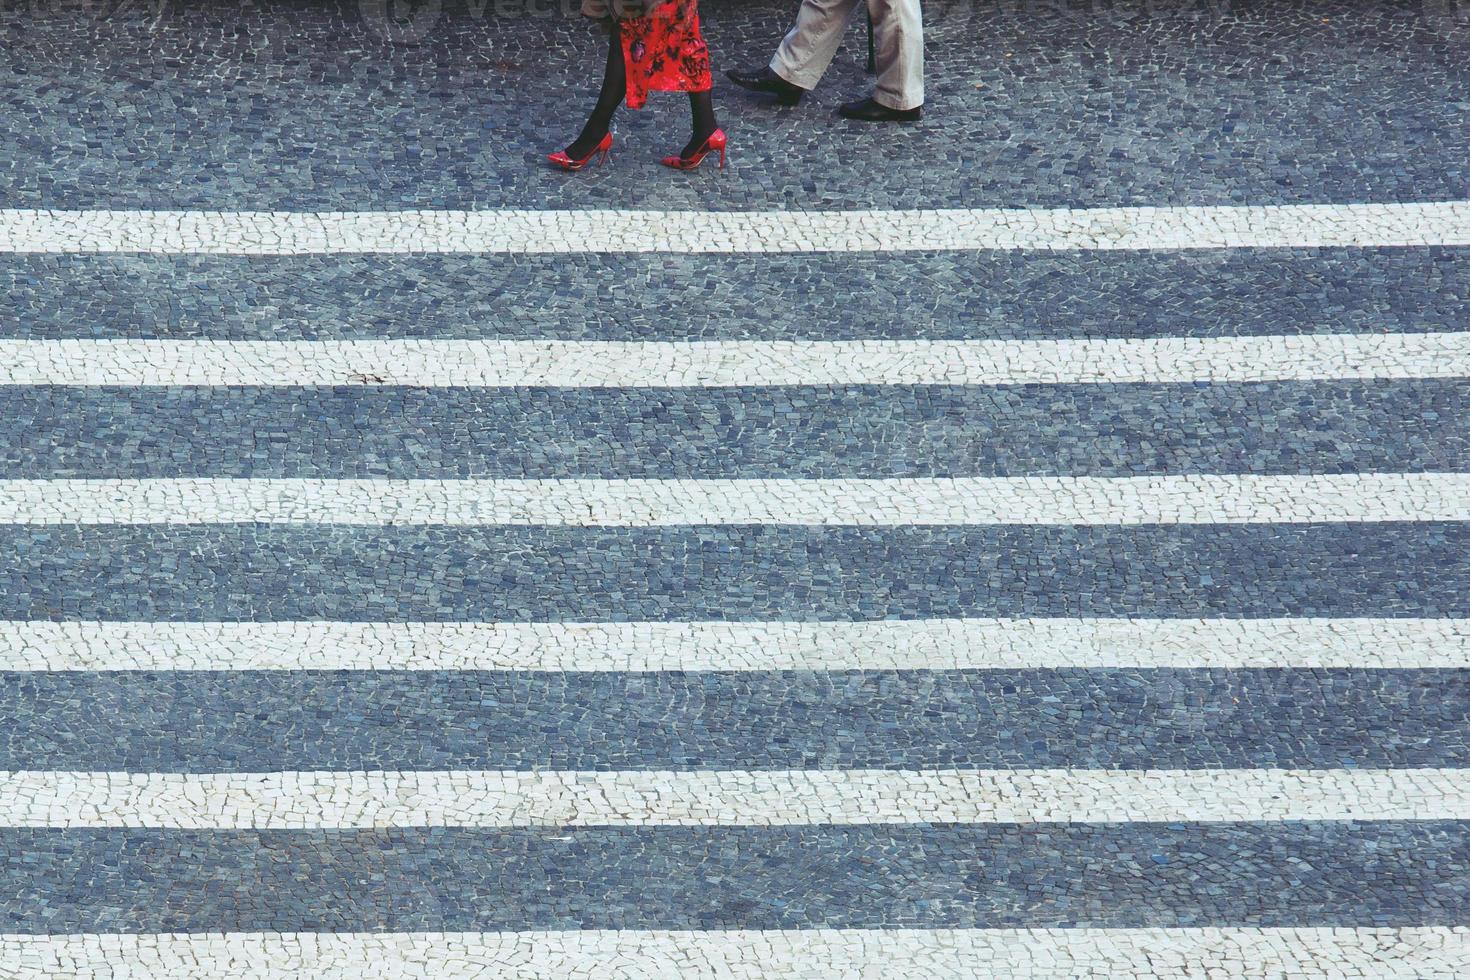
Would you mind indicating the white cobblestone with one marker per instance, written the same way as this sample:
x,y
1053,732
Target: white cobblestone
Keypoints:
x,y
1184,499
528,231
920,644
1420,953
356,799
734,363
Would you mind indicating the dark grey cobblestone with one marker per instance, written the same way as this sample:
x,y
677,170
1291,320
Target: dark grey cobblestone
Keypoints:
x,y
1094,719
1095,430
243,572
948,295
303,105
726,432
1129,875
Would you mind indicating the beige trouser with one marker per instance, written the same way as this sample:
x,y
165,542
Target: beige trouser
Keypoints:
x,y
898,40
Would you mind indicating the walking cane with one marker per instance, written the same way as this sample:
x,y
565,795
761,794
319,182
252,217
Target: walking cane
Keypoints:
x,y
872,60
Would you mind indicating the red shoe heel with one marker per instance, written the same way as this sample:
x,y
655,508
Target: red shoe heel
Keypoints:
x,y
601,151
717,141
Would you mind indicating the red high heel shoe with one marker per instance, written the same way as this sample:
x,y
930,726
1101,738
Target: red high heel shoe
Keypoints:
x,y
716,141
565,162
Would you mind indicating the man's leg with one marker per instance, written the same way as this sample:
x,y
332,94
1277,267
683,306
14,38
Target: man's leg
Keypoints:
x,y
808,47
898,36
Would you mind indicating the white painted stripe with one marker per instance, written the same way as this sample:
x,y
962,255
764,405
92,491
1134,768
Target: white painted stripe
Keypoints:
x,y
1186,499
733,363
527,231
747,798
1406,953
922,644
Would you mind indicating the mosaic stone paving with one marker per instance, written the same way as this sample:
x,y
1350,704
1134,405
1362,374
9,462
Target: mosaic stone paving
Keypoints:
x,y
1034,542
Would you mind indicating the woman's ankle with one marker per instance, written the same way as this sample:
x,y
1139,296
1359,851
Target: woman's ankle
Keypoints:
x,y
586,141
697,139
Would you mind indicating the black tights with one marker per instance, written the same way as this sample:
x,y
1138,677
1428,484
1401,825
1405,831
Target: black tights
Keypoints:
x,y
615,89
702,106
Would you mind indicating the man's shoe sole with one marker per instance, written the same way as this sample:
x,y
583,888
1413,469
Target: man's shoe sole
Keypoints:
x,y
906,118
913,115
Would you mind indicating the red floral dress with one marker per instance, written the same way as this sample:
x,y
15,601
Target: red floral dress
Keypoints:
x,y
663,49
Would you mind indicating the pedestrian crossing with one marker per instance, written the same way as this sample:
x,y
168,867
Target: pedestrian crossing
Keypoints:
x,y
1033,545
1125,717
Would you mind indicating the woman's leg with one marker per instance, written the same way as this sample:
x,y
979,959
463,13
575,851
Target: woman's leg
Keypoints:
x,y
614,88
702,105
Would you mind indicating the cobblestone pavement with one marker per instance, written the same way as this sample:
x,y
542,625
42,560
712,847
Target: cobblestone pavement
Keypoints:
x,y
1031,542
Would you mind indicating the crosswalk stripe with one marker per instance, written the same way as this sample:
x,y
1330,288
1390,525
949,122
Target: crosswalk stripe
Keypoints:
x,y
922,644
1151,500
734,363
751,798
538,231
1404,953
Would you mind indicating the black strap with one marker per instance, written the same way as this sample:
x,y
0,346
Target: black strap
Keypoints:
x,y
872,57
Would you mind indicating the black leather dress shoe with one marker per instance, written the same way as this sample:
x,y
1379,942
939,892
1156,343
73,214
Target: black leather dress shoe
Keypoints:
x,y
764,80
869,111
